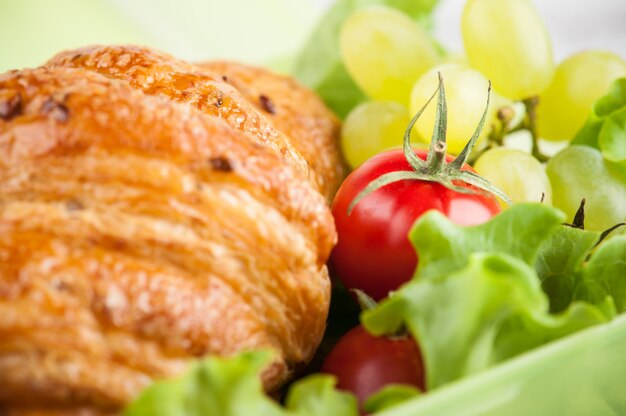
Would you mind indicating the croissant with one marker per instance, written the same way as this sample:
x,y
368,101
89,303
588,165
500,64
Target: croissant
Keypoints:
x,y
152,212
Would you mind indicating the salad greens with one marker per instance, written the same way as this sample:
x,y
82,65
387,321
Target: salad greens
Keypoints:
x,y
605,128
603,278
389,396
319,64
559,264
232,387
476,300
570,269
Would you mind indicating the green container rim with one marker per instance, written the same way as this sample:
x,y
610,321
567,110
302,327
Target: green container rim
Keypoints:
x,y
499,384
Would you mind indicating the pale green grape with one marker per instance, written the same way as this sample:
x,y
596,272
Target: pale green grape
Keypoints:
x,y
385,52
521,176
507,42
579,172
372,127
578,82
466,97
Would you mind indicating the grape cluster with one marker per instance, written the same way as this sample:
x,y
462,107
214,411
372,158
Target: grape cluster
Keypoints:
x,y
395,62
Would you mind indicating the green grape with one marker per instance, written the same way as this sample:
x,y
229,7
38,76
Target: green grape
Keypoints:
x,y
507,42
578,82
372,127
521,176
466,97
579,172
385,52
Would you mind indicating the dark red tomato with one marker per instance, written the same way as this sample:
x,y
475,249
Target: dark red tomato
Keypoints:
x,y
373,253
363,363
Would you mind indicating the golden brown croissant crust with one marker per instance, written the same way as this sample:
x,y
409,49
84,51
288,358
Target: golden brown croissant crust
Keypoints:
x,y
297,123
294,110
150,214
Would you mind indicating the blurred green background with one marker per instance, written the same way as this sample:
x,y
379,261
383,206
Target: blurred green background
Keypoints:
x,y
254,31
260,31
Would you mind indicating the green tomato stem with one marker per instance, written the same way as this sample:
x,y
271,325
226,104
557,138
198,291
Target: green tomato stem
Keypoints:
x,y
416,163
435,168
365,302
461,159
438,152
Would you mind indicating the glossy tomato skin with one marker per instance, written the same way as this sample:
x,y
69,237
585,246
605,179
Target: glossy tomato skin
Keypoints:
x,y
363,363
373,252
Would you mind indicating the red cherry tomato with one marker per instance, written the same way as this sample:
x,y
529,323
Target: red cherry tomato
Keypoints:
x,y
363,363
373,253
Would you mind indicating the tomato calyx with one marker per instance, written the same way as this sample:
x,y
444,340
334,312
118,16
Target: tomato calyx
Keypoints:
x,y
435,168
367,303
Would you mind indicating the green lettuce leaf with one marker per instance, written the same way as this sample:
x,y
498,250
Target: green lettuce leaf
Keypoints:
x,y
560,261
214,386
316,395
232,387
605,129
390,396
612,137
604,275
476,298
319,64
519,232
613,100
576,264
469,319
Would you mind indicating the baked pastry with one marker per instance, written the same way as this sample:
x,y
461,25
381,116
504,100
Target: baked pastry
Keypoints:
x,y
150,215
297,112
290,117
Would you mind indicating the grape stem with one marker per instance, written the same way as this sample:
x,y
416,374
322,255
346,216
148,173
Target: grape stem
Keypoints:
x,y
435,168
505,115
497,133
530,123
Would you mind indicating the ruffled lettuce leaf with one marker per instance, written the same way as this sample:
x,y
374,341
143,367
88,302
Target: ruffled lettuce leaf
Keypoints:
x,y
390,396
316,395
605,129
319,64
494,309
559,263
573,265
476,298
232,387
603,277
443,246
214,386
